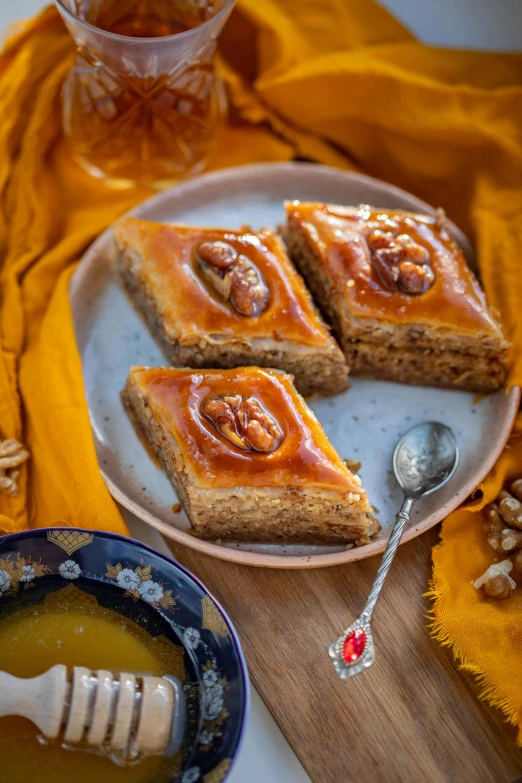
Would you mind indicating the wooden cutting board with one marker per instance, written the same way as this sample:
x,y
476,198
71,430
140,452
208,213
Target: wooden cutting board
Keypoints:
x,y
411,718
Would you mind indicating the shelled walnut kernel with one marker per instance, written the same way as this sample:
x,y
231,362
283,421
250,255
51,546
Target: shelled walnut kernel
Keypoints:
x,y
234,276
503,528
243,422
496,582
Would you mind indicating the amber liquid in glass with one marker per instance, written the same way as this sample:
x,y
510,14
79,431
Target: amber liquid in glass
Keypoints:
x,y
146,18
144,129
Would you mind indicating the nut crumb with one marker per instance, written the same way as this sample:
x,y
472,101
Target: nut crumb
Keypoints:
x,y
353,464
440,218
176,508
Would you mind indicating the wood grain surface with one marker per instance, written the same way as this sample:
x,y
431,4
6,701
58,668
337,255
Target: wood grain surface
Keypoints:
x,y
411,718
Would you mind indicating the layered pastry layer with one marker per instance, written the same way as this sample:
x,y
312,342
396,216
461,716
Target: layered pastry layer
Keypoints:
x,y
216,298
247,457
399,295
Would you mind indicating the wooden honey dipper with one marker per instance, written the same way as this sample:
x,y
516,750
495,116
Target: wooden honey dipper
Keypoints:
x,y
126,715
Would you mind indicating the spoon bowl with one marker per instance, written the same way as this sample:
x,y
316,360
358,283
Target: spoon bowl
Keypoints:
x,y
425,459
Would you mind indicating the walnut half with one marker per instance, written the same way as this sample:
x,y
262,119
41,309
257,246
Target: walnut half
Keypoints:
x,y
401,263
244,422
234,277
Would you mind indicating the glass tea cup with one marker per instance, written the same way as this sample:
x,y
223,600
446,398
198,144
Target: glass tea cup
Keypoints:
x,y
143,103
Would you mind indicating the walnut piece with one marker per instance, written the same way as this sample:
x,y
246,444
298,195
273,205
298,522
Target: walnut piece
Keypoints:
x,y
416,254
499,587
516,488
493,527
233,276
386,267
496,581
401,263
510,509
12,455
503,527
511,539
353,465
217,254
414,279
244,422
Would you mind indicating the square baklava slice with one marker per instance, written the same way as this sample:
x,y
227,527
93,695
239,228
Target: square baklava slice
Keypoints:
x,y
216,298
247,457
399,295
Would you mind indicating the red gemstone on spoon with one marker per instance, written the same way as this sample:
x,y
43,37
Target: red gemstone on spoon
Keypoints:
x,y
354,645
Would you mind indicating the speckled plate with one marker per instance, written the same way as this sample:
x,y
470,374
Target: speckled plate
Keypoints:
x,y
363,423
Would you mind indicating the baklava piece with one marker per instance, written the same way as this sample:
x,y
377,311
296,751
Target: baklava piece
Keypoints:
x,y
247,457
215,298
399,295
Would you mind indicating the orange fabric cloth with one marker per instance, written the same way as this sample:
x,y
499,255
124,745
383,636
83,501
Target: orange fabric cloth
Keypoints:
x,y
337,81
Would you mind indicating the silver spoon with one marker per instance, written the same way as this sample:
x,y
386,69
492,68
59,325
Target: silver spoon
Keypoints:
x,y
424,459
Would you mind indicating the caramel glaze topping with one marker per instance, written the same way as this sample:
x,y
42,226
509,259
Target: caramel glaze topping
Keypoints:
x,y
193,306
450,296
298,452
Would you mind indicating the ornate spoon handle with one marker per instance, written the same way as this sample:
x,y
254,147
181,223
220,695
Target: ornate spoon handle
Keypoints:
x,y
354,651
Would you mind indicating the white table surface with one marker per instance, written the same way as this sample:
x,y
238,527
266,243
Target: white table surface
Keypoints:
x,y
265,756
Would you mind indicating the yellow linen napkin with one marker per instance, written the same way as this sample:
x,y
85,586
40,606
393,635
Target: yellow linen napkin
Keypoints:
x,y
339,82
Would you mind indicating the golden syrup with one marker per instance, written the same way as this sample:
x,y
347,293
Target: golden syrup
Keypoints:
x,y
38,637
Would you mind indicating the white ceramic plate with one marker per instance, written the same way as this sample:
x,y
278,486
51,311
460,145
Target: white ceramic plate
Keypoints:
x,y
363,423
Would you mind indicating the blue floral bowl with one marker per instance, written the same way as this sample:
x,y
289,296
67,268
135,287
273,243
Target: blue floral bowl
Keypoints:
x,y
167,602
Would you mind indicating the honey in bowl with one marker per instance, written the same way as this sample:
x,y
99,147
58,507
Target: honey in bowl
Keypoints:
x,y
71,628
